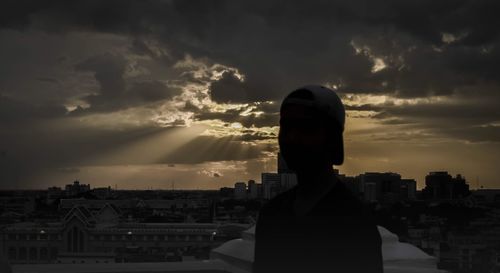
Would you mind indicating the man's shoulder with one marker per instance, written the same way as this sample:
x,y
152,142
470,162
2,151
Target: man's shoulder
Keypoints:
x,y
281,201
342,200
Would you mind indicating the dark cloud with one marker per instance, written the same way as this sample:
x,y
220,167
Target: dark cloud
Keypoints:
x,y
410,49
114,92
281,45
471,120
262,115
287,44
229,89
108,70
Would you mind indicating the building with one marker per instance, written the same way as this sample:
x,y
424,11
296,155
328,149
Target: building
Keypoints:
x,y
18,204
254,190
381,187
86,237
226,192
441,185
76,188
287,181
351,182
240,190
408,189
271,183
54,193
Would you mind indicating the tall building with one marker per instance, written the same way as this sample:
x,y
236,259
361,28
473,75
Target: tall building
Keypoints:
x,y
408,189
240,190
287,181
253,189
351,182
441,185
288,178
271,183
382,187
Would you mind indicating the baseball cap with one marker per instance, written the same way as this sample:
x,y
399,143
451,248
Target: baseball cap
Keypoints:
x,y
326,102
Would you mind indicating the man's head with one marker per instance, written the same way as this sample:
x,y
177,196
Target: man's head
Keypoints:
x,y
311,126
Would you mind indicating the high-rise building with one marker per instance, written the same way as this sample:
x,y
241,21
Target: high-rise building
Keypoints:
x,y
288,178
441,185
240,190
408,189
253,189
387,186
271,183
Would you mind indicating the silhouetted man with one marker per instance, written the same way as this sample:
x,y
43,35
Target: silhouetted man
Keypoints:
x,y
319,225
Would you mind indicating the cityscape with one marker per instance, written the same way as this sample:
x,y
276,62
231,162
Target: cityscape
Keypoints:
x,y
153,136
80,224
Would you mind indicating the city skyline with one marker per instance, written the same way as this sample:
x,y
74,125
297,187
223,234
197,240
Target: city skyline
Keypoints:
x,y
139,94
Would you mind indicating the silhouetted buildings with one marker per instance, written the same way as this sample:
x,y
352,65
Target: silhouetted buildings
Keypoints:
x,y
275,183
240,190
226,192
408,189
385,187
271,184
441,185
254,190
76,188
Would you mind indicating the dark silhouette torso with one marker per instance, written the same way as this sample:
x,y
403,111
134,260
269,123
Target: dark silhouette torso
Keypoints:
x,y
336,235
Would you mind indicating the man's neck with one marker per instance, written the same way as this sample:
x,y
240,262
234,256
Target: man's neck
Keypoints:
x,y
315,183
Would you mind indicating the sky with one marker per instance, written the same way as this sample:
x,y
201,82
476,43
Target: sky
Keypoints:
x,y
186,94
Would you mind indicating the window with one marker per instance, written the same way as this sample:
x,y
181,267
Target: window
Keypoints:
x,y
12,253
33,253
23,253
69,240
44,253
81,243
53,253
